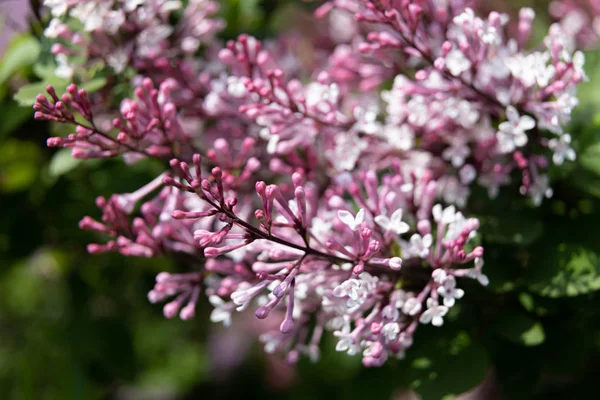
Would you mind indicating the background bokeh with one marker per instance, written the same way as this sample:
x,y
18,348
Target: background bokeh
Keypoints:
x,y
75,326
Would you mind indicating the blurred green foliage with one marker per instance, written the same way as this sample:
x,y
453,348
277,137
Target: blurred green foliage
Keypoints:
x,y
73,326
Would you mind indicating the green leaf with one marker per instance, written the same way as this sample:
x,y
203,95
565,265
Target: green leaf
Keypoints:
x,y
568,270
62,162
12,116
44,71
434,359
23,51
27,94
586,181
526,301
590,159
520,328
18,165
534,336
94,85
243,15
587,92
250,11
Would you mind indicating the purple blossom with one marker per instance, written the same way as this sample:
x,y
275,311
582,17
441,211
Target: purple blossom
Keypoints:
x,y
311,200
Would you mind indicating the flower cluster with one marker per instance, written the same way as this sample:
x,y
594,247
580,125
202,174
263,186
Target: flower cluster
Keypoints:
x,y
370,275
580,20
326,192
479,102
122,34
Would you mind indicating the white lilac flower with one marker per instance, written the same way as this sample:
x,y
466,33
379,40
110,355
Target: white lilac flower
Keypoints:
x,y
457,152
130,5
148,41
91,14
564,105
540,189
453,192
467,114
353,222
446,215
467,174
63,69
439,276
578,62
57,7
512,132
346,342
393,223
562,149
390,312
455,227
418,111
169,6
401,137
113,21
118,60
434,313
356,290
53,28
489,35
449,291
531,68
420,245
236,87
412,306
390,331
475,273
347,150
322,97
221,311
349,288
402,297
456,62
320,229
366,120
465,18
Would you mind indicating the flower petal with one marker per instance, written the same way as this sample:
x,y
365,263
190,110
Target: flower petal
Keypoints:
x,y
526,123
512,114
360,217
400,227
383,222
346,217
427,240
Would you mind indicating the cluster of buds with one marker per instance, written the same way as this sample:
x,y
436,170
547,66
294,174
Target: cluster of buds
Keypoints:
x,y
148,125
350,236
145,226
370,275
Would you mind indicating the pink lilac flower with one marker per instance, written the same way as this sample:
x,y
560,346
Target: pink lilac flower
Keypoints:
x,y
303,191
